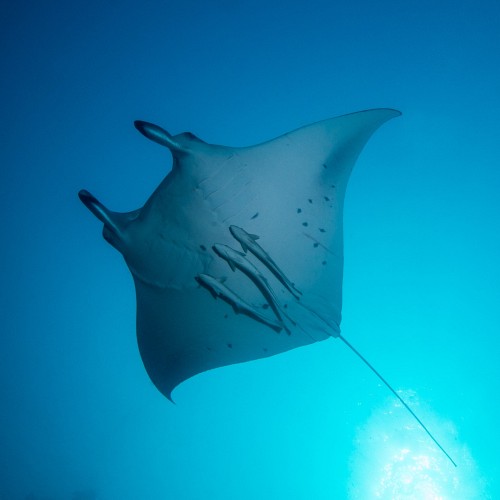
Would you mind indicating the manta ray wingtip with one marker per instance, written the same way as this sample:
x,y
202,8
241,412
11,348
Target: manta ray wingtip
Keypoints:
x,y
394,112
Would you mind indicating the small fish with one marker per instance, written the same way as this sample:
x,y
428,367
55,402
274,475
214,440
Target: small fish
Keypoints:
x,y
237,260
249,243
217,288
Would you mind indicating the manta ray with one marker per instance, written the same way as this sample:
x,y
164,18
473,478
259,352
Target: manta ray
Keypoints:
x,y
238,254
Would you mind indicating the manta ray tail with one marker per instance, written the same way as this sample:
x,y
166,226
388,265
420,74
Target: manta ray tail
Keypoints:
x,y
355,351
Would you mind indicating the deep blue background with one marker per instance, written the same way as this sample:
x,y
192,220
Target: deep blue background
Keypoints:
x,y
422,246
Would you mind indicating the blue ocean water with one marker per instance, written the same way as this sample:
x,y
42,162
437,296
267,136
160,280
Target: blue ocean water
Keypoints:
x,y
81,419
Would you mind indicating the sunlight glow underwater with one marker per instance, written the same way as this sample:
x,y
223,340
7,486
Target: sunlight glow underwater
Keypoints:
x,y
405,464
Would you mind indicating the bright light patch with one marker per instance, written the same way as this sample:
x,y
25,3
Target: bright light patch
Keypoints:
x,y
394,459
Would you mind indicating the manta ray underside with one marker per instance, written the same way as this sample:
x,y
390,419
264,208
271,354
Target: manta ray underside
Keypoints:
x,y
258,229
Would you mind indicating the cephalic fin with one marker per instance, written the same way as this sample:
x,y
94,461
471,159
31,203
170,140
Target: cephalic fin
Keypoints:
x,y
157,134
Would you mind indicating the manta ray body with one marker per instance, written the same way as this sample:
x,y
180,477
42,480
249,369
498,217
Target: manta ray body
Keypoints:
x,y
258,229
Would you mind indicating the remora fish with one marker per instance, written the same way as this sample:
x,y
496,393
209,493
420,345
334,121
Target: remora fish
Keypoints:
x,y
248,242
217,288
237,260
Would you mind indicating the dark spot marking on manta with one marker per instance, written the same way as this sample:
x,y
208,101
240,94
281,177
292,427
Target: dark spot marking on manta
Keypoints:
x,y
299,210
305,224
324,263
203,247
230,346
264,349
316,245
321,230
333,186
286,306
255,215
309,200
325,165
326,198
